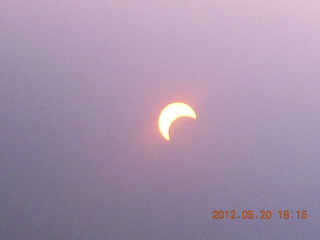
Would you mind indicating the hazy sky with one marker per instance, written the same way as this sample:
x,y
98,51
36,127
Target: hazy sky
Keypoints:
x,y
82,84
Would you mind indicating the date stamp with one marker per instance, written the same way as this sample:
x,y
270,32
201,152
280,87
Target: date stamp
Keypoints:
x,y
263,214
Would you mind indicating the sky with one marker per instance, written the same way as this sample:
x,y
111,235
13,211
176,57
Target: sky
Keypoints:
x,y
82,84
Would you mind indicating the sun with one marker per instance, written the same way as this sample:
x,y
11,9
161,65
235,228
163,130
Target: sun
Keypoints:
x,y
170,113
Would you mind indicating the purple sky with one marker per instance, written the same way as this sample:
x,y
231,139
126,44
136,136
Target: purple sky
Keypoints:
x,y
82,84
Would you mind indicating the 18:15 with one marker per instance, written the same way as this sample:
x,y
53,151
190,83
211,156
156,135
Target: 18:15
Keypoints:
x,y
300,214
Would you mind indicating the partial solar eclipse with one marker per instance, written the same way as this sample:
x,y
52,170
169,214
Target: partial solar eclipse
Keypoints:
x,y
171,113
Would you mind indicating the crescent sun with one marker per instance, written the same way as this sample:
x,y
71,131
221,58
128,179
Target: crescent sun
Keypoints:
x,y
170,113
